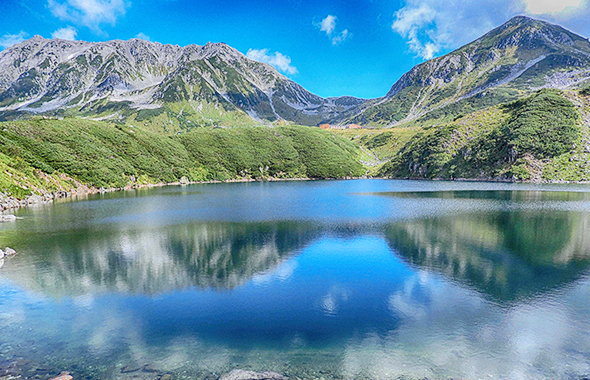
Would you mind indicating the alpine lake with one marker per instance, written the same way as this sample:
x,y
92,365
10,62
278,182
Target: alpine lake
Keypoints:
x,y
356,279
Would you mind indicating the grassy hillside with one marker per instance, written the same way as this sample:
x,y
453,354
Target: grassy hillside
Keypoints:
x,y
545,136
513,141
38,155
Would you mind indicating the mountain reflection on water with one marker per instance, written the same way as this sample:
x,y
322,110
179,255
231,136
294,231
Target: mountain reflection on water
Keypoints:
x,y
156,260
349,278
505,255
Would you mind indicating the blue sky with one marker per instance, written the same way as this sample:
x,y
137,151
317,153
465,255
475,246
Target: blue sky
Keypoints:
x,y
332,48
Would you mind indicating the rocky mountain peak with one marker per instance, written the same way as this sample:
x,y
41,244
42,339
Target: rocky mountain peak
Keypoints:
x,y
528,33
212,49
521,55
115,79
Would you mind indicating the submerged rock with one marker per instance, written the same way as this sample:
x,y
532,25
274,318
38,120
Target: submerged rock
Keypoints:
x,y
240,374
63,376
130,369
7,218
149,369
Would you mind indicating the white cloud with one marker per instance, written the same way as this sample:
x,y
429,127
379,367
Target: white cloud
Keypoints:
x,y
409,22
142,36
554,7
409,18
67,33
8,40
278,60
89,13
328,24
431,26
341,37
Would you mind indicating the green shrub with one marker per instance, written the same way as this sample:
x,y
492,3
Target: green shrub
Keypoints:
x,y
544,125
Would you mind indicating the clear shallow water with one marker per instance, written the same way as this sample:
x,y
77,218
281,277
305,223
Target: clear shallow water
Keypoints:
x,y
335,279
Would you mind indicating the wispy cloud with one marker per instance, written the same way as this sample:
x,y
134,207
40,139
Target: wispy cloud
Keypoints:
x,y
561,8
328,26
430,26
280,61
343,36
67,33
410,22
142,36
8,40
89,13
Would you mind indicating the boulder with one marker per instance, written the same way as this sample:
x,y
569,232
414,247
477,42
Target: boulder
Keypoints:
x,y
240,374
63,376
130,369
9,251
2,254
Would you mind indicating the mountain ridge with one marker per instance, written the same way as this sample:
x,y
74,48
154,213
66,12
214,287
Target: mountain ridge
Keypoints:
x,y
519,56
173,89
47,75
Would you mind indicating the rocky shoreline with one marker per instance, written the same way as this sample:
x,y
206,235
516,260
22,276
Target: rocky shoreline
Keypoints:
x,y
8,203
14,370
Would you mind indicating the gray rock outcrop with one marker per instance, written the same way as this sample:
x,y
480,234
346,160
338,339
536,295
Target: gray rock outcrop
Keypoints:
x,y
240,374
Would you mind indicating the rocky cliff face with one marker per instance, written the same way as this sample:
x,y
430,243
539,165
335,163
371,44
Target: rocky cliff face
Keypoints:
x,y
118,79
520,56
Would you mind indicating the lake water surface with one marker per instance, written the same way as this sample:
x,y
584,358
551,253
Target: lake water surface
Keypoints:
x,y
376,279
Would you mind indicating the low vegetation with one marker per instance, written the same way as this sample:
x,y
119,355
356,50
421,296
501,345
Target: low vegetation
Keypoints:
x,y
543,125
534,138
40,154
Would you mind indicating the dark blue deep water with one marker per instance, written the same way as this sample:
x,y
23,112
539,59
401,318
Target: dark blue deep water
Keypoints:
x,y
368,279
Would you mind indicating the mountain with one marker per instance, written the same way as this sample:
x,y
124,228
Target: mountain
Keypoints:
x,y
509,62
172,86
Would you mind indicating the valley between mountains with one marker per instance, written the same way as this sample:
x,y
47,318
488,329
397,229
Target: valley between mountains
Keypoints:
x,y
513,105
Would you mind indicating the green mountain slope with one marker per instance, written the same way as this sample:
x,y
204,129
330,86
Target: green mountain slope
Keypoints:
x,y
545,136
50,155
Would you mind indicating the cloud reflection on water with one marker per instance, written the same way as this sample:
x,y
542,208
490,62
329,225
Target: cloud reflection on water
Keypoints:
x,y
495,289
